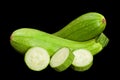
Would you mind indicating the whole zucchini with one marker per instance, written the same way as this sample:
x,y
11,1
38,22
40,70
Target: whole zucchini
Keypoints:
x,y
25,38
85,27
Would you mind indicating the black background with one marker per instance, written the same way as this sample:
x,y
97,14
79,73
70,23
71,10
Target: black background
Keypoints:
x,y
50,18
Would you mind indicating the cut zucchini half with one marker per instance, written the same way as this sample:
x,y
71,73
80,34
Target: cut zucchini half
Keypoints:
x,y
37,58
83,60
103,40
62,59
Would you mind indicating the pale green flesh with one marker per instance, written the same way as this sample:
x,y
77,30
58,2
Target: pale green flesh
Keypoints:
x,y
28,38
62,59
37,58
81,69
59,57
83,60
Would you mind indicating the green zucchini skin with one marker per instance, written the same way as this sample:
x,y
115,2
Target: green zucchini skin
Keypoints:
x,y
85,27
25,38
103,39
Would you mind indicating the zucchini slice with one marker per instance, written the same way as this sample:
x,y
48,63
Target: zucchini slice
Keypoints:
x,y
37,58
83,60
62,59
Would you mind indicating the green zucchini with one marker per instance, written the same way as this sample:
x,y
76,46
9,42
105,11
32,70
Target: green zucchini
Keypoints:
x,y
102,39
85,27
83,60
25,38
62,59
37,58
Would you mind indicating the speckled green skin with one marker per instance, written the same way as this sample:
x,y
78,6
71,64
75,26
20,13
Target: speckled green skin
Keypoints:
x,y
85,27
25,38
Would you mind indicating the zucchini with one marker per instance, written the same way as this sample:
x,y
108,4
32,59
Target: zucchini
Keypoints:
x,y
62,59
37,58
102,39
25,38
85,27
83,60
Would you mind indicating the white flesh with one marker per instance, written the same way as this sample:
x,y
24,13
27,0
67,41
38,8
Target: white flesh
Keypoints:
x,y
37,58
82,58
59,57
